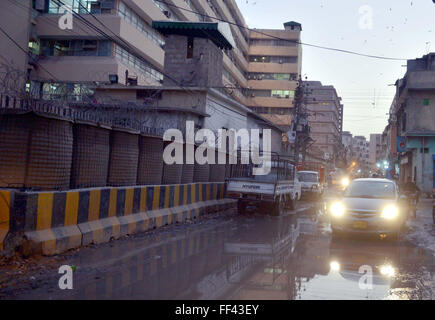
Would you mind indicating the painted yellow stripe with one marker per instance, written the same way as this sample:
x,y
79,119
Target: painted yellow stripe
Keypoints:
x,y
167,194
128,205
176,196
222,186
200,192
71,208
45,211
143,200
207,191
5,204
215,189
185,191
94,205
193,192
112,202
156,197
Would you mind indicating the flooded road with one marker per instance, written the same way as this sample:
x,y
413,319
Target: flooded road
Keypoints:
x,y
246,257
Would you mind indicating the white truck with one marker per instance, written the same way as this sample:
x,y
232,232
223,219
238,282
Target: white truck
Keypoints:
x,y
272,193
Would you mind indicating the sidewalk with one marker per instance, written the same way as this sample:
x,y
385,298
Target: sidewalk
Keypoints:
x,y
422,230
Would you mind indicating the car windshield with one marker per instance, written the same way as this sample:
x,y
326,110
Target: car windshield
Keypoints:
x,y
308,177
371,190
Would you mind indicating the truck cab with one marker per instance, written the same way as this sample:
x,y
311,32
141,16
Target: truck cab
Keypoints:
x,y
272,193
310,183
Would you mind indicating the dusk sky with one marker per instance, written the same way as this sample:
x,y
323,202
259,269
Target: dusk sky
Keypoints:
x,y
402,29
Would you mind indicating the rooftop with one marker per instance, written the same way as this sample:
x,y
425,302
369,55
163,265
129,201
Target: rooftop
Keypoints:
x,y
218,32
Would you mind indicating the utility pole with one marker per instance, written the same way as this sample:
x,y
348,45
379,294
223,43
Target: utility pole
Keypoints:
x,y
296,117
300,120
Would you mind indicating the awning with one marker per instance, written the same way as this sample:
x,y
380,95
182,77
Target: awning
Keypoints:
x,y
218,32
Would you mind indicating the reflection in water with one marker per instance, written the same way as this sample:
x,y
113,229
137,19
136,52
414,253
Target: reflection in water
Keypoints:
x,y
244,258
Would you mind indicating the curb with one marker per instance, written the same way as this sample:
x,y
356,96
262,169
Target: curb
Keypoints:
x,y
57,240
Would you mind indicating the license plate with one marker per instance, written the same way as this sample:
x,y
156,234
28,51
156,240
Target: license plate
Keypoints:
x,y
360,225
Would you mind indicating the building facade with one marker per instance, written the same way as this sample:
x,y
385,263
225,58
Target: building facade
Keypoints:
x,y
112,41
376,149
325,118
361,153
346,139
412,121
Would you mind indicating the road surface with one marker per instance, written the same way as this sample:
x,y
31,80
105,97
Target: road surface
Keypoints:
x,y
236,257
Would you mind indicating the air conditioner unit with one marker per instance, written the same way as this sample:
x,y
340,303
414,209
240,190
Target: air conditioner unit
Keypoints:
x,y
253,95
167,14
281,62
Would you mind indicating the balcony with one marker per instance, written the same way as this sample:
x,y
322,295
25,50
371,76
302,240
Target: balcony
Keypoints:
x,y
271,102
262,50
144,47
273,67
272,85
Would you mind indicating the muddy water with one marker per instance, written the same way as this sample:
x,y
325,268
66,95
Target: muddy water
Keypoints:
x,y
255,257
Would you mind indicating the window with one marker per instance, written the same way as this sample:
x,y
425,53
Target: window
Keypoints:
x,y
273,59
143,66
272,76
189,47
75,48
131,17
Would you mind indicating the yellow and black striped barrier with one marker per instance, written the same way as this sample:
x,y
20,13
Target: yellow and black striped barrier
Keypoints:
x,y
5,206
54,222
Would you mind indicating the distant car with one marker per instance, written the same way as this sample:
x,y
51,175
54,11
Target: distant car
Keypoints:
x,y
310,183
369,206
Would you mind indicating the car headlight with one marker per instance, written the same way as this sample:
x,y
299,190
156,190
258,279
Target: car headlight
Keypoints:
x,y
345,182
335,266
390,212
387,270
337,209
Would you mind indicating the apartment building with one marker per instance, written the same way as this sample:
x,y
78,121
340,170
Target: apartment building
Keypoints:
x,y
412,122
260,72
325,117
361,153
273,73
346,139
377,149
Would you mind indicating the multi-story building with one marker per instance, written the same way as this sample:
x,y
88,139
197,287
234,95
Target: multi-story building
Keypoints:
x,y
412,120
112,41
361,153
377,153
346,139
273,72
325,117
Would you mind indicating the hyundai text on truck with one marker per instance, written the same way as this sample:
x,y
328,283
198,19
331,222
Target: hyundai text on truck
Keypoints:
x,y
272,193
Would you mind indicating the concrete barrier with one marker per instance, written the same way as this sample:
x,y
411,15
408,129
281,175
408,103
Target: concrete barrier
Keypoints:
x,y
5,205
54,222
